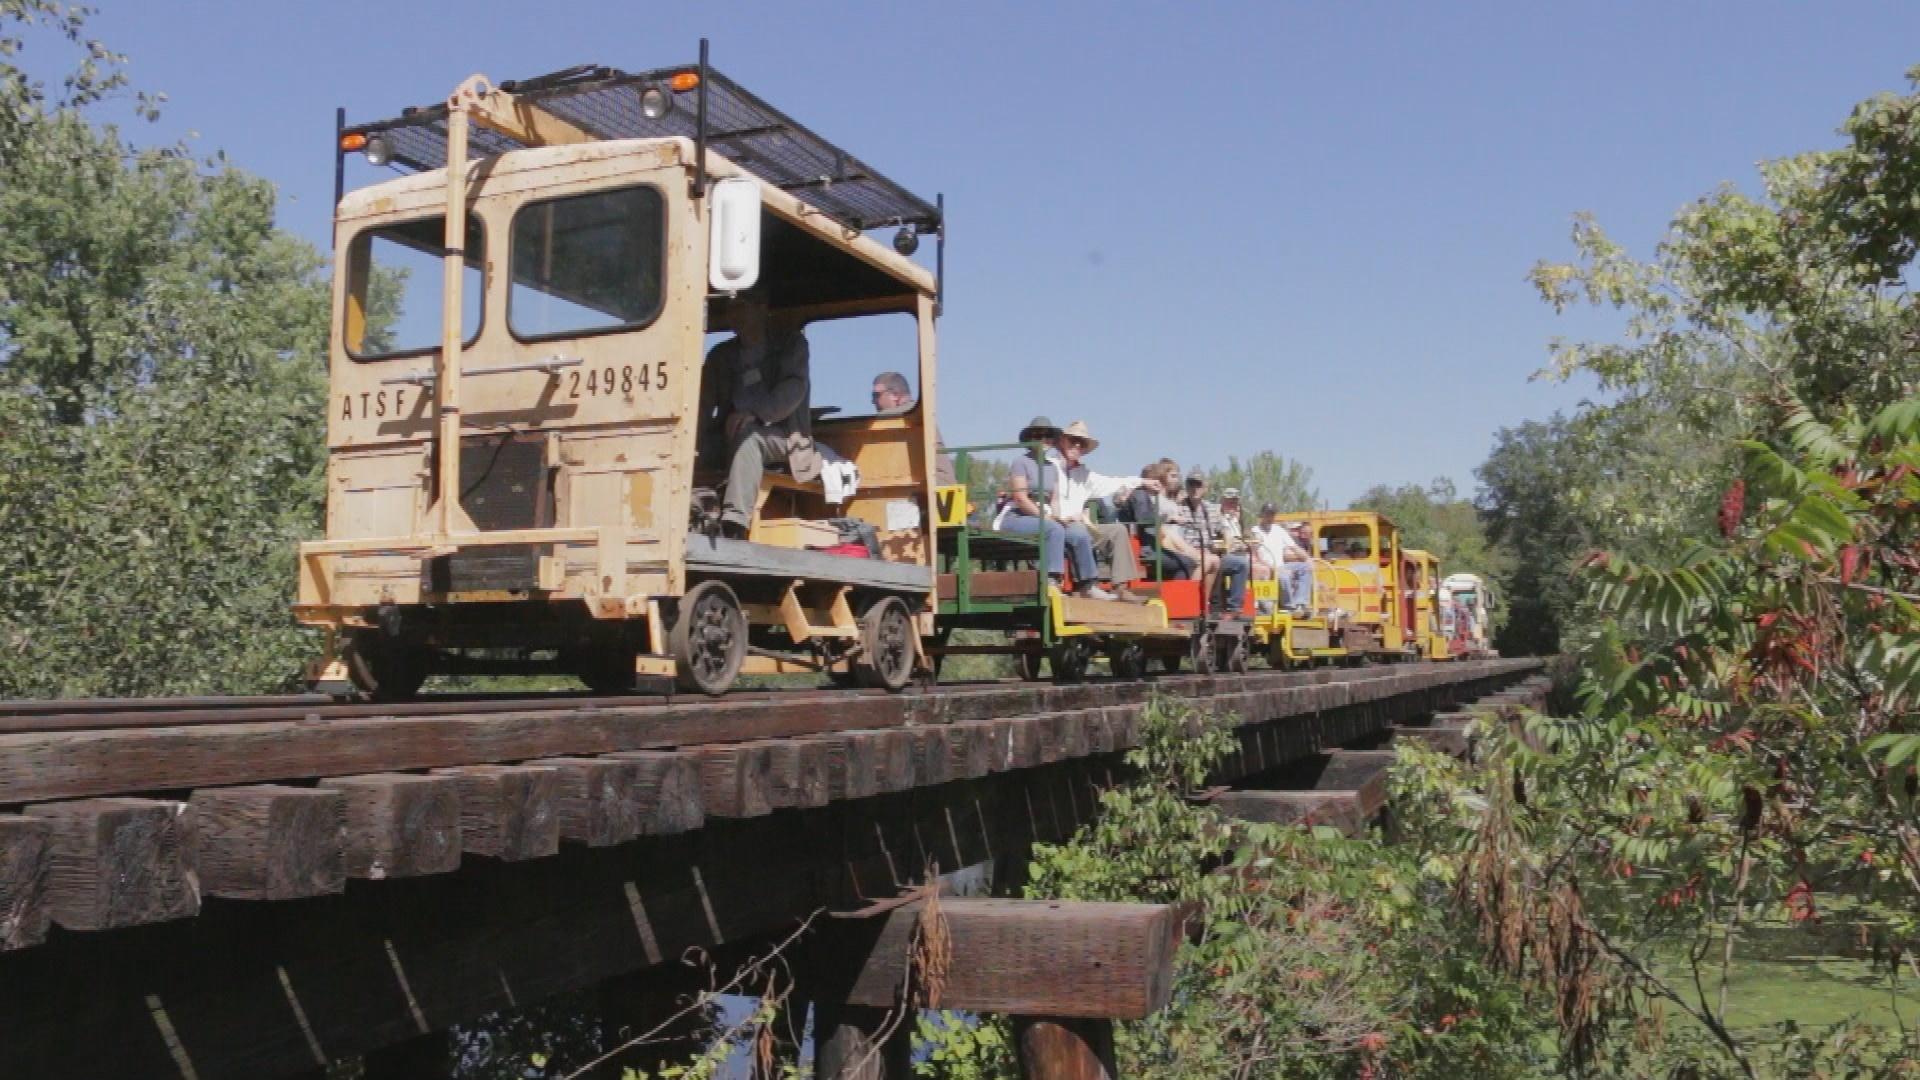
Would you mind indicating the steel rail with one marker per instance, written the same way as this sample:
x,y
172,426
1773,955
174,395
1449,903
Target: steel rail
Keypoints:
x,y
196,712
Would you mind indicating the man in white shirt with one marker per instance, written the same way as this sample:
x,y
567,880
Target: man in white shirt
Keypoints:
x,y
1290,557
1112,552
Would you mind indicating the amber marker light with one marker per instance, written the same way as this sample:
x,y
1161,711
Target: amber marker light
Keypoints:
x,y
352,142
685,80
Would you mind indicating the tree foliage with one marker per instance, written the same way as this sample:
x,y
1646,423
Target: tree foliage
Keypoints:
x,y
162,367
1732,550
1267,477
1317,956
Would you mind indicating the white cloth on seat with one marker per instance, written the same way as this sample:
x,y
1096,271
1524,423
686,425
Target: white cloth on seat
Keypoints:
x,y
840,478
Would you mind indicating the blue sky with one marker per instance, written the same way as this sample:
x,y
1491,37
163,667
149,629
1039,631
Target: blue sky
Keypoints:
x,y
1207,229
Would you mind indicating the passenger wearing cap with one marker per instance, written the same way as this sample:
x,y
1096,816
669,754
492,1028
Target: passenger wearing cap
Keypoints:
x,y
1282,546
1027,509
1208,530
1112,546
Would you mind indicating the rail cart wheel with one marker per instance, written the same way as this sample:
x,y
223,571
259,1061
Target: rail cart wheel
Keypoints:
x,y
1128,659
383,669
1236,661
1203,654
1027,663
1069,660
886,637
709,639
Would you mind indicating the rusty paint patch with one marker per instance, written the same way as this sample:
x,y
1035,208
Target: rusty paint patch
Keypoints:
x,y
640,499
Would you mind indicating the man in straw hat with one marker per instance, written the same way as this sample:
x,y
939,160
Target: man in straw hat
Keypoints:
x,y
1113,555
1028,508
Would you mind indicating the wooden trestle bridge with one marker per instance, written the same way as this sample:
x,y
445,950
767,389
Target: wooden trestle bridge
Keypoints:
x,y
205,888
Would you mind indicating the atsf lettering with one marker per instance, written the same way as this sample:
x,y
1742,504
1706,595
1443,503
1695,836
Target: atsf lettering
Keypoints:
x,y
374,404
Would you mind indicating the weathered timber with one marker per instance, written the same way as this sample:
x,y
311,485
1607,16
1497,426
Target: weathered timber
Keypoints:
x,y
1053,737
853,764
797,770
1000,746
119,862
736,781
894,767
1024,742
666,791
1044,957
1064,1048
1073,735
1099,734
1445,738
270,842
384,962
970,749
508,812
24,914
932,761
44,766
400,824
596,799
1340,810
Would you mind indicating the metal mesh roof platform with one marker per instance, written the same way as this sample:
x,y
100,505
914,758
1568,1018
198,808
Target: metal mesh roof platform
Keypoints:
x,y
740,126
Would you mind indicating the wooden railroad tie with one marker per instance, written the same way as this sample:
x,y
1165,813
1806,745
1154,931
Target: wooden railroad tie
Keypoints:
x,y
400,825
271,842
119,862
24,868
508,812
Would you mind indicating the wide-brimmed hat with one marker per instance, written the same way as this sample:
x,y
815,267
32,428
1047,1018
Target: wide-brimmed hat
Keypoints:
x,y
1038,428
1078,430
1230,494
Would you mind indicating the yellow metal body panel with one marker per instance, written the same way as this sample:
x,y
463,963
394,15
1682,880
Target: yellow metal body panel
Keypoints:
x,y
1075,616
619,457
1363,550
1426,605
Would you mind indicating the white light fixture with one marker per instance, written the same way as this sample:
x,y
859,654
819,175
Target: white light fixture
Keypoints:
x,y
655,103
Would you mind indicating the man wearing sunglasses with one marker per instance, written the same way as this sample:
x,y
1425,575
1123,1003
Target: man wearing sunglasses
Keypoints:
x,y
893,397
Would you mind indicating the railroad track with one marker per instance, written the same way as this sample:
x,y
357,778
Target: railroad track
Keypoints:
x,y
38,716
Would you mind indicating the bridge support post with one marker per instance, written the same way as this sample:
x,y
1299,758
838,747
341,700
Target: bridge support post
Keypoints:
x,y
861,1042
1064,1048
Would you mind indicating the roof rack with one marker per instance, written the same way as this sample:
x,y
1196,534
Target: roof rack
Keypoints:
x,y
714,111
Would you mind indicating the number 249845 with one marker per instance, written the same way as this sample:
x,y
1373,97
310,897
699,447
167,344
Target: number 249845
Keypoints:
x,y
609,380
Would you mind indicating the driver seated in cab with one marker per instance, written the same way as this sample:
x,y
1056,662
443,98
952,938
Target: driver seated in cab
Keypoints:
x,y
754,395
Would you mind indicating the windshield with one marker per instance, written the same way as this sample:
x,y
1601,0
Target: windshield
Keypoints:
x,y
394,294
1346,542
587,264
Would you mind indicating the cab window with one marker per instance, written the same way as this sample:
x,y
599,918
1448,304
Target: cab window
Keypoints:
x,y
394,294
1346,542
587,264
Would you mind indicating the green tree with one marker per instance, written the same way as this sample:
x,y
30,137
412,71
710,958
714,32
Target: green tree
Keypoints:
x,y
1314,955
1267,477
1748,638
162,368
